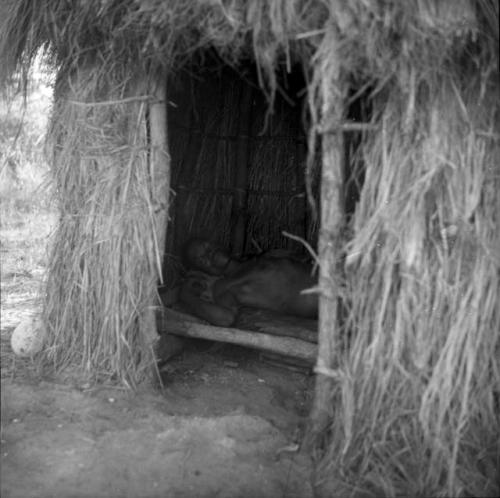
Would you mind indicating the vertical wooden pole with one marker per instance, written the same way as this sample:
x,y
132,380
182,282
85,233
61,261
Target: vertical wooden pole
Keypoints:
x,y
160,162
329,243
159,171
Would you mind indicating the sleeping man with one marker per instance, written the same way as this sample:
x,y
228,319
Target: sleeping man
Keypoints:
x,y
218,285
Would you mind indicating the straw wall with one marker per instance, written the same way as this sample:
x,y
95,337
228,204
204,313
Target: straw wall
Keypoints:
x,y
237,166
414,405
104,263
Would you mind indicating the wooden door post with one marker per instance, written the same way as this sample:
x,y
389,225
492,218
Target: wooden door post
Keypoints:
x,y
159,171
332,97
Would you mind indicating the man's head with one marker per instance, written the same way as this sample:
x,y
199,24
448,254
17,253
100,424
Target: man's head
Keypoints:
x,y
201,254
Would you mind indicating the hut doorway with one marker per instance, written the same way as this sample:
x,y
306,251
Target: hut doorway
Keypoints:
x,y
238,179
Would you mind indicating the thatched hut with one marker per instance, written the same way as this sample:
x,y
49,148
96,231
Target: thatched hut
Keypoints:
x,y
244,118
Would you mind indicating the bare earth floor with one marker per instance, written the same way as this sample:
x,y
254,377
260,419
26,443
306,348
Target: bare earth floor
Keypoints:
x,y
224,424
215,431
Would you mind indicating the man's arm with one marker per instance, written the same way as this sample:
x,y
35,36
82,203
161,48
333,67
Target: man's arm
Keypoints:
x,y
222,315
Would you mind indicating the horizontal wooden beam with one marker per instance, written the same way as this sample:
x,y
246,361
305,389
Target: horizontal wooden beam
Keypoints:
x,y
183,325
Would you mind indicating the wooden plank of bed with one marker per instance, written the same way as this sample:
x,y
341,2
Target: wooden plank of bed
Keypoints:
x,y
182,324
284,329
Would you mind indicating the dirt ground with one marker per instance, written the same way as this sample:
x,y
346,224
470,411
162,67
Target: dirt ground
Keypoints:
x,y
225,424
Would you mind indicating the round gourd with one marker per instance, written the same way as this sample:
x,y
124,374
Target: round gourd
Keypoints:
x,y
28,337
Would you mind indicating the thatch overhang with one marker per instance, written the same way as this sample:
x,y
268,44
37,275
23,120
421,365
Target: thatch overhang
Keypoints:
x,y
377,41
408,371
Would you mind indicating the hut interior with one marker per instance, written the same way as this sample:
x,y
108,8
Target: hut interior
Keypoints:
x,y
237,166
238,177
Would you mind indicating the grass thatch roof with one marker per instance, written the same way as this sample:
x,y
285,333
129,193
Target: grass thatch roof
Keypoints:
x,y
377,41
412,406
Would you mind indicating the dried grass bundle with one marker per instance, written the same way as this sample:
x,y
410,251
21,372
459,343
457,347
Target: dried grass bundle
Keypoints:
x,y
104,265
415,403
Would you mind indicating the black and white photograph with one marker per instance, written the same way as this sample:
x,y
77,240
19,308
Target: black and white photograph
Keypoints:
x,y
250,248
